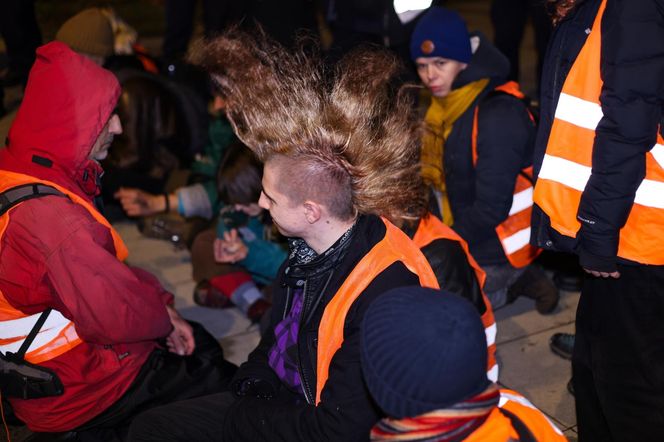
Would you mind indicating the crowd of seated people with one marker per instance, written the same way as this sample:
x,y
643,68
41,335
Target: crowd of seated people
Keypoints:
x,y
372,243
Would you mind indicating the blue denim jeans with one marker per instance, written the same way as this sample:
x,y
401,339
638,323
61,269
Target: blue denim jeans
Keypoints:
x,y
499,278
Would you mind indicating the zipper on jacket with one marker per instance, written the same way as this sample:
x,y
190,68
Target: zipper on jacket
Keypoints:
x,y
303,381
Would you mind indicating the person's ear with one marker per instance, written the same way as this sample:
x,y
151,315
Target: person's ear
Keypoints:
x,y
312,211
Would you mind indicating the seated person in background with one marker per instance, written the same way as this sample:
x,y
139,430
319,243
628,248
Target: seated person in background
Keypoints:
x,y
477,155
455,268
165,122
338,152
112,335
229,260
245,250
423,356
199,199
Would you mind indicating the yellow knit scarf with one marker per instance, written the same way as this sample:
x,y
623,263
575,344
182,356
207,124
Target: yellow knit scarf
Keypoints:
x,y
439,119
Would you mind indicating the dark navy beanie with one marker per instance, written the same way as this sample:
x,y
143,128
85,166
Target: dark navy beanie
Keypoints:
x,y
422,350
441,33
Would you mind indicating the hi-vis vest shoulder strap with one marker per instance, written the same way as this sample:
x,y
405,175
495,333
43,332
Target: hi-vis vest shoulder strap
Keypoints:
x,y
567,164
431,229
500,428
395,246
514,232
58,334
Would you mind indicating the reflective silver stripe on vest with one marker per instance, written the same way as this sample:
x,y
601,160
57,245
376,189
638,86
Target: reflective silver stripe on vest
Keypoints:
x,y
17,328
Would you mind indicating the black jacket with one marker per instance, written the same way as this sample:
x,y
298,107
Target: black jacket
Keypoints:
x,y
454,273
346,411
632,69
481,196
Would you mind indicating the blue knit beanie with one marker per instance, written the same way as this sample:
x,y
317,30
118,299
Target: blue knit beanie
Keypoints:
x,y
422,350
441,33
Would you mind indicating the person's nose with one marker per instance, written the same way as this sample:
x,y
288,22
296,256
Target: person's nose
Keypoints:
x,y
262,201
431,73
115,126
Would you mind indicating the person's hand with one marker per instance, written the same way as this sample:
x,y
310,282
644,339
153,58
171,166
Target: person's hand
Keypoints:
x,y
230,248
136,202
598,274
181,340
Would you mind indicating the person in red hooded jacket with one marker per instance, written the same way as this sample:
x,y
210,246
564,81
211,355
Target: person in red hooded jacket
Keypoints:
x,y
102,335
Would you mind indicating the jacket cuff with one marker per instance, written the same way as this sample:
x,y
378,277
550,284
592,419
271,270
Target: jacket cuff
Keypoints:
x,y
194,201
598,263
598,251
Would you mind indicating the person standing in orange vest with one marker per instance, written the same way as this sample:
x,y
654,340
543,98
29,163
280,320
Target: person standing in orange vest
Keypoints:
x,y
338,154
111,335
600,194
477,154
423,355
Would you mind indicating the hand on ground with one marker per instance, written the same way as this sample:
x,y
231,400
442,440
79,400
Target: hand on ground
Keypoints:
x,y
136,202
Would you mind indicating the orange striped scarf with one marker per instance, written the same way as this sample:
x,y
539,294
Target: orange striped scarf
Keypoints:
x,y
445,425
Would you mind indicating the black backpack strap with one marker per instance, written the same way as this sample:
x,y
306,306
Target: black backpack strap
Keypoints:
x,y
11,197
33,333
525,435
8,199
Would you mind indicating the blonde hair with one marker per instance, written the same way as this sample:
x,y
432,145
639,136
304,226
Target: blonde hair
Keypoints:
x,y
352,139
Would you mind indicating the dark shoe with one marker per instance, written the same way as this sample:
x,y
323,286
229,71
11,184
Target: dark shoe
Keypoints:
x,y
534,284
562,344
570,387
570,282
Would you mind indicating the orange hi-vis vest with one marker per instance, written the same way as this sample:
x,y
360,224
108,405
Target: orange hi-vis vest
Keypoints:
x,y
514,232
499,428
567,164
58,334
395,246
431,229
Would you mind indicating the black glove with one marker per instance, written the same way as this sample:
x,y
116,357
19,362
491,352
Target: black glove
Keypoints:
x,y
254,388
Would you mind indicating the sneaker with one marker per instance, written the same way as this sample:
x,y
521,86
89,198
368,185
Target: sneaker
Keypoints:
x,y
562,344
534,284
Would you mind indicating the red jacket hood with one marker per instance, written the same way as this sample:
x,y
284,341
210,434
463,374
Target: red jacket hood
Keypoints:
x,y
67,102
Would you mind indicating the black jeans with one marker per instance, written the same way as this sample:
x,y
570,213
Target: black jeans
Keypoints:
x,y
217,15
164,378
19,29
618,361
202,420
509,18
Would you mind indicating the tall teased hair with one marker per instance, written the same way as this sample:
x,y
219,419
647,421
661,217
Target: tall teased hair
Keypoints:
x,y
354,132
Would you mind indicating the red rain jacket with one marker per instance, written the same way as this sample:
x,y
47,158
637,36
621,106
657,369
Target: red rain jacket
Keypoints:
x,y
54,254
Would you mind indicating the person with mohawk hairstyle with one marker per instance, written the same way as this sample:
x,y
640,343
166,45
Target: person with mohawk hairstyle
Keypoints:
x,y
339,153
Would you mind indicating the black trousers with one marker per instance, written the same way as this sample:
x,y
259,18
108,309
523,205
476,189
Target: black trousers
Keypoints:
x,y
509,18
217,15
202,420
163,379
19,29
618,361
